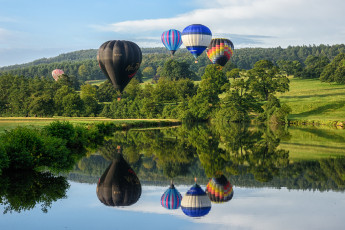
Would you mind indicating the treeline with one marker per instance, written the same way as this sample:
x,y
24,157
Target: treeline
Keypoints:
x,y
174,95
83,64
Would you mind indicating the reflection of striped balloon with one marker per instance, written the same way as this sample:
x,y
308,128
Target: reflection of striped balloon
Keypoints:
x,y
219,190
196,38
196,203
171,199
56,73
171,40
220,50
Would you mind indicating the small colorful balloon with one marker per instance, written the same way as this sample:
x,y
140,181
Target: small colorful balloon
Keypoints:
x,y
171,39
220,51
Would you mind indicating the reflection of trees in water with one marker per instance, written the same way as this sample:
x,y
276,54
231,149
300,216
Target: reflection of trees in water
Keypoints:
x,y
236,150
21,191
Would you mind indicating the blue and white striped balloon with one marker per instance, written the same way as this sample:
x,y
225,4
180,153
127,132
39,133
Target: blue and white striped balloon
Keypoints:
x,y
171,39
171,199
196,38
196,203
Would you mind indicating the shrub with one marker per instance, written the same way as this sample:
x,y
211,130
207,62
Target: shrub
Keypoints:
x,y
24,147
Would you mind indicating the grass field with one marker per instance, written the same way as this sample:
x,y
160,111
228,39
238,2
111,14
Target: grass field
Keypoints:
x,y
8,123
312,100
95,82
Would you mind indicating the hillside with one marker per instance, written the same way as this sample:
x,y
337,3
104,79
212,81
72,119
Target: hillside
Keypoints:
x,y
312,100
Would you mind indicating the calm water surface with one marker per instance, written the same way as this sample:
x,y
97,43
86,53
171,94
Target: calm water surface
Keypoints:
x,y
276,184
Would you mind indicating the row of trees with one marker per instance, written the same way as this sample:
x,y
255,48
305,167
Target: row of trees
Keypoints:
x,y
175,95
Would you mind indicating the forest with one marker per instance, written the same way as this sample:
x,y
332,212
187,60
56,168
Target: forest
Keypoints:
x,y
165,87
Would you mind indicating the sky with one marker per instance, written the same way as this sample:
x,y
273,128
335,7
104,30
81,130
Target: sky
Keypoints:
x,y
34,29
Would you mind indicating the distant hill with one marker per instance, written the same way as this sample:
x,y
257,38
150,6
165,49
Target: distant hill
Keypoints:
x,y
243,58
79,55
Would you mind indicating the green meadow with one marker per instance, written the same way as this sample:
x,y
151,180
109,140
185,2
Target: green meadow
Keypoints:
x,y
313,100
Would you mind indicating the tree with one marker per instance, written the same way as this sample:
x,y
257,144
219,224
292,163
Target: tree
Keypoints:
x,y
175,70
213,83
106,92
72,105
234,73
88,90
148,72
265,79
314,65
335,71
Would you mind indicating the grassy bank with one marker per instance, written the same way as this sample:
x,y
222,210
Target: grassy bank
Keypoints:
x,y
312,101
8,123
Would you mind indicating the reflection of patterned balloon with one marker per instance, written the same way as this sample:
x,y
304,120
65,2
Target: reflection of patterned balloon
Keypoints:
x,y
196,38
57,73
171,199
220,50
196,203
219,190
171,40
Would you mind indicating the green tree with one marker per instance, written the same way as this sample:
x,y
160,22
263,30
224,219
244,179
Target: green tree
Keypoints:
x,y
175,70
334,71
213,83
266,79
148,72
106,92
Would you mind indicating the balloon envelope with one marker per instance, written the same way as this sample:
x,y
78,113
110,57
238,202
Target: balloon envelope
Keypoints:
x,y
119,185
220,50
196,203
219,190
56,73
196,38
171,199
171,39
119,61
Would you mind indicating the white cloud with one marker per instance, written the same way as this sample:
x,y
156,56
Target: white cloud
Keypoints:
x,y
290,22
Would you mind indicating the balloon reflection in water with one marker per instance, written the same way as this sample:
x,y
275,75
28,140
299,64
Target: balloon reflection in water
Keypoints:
x,y
196,203
171,199
119,185
219,190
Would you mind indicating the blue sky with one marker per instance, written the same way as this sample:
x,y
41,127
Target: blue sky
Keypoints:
x,y
40,28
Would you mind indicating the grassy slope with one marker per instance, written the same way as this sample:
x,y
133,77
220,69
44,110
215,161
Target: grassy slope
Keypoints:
x,y
311,99
9,123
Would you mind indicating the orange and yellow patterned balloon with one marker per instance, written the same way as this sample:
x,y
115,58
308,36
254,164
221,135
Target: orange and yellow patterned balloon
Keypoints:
x,y
220,50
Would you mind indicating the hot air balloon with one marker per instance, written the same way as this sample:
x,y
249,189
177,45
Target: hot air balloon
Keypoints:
x,y
119,185
196,203
220,50
56,73
172,40
196,38
171,199
219,190
119,61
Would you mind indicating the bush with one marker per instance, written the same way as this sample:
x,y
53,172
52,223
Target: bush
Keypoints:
x,y
24,147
